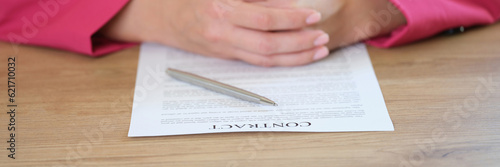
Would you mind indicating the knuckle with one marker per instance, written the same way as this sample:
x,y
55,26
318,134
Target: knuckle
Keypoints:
x,y
264,21
212,35
265,46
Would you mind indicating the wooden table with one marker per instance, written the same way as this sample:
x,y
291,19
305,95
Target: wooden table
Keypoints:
x,y
75,110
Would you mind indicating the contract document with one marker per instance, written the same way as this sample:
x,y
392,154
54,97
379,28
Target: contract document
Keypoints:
x,y
338,94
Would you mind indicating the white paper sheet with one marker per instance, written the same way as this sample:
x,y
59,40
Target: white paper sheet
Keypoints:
x,y
340,93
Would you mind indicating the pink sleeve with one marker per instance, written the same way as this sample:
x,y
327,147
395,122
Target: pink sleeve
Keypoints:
x,y
430,17
63,24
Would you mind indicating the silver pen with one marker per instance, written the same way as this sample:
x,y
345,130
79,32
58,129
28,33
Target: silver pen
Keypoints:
x,y
219,87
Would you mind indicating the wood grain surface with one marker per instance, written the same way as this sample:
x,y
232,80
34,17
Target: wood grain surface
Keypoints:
x,y
443,95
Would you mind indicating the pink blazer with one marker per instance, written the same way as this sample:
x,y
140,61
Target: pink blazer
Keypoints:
x,y
63,24
426,18
72,25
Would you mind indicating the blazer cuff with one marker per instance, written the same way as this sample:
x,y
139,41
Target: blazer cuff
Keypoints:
x,y
426,18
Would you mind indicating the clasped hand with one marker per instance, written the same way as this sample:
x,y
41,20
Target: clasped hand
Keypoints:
x,y
260,32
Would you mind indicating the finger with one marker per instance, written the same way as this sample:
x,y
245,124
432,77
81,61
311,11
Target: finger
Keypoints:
x,y
271,19
254,59
300,58
268,43
236,53
290,59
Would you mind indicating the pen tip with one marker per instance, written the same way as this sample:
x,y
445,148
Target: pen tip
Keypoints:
x,y
268,102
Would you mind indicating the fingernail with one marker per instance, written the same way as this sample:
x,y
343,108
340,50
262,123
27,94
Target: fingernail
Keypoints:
x,y
321,40
313,18
321,53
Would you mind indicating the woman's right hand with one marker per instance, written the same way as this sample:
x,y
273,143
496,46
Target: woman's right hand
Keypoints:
x,y
229,29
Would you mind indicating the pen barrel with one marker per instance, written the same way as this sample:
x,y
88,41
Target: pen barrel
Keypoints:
x,y
218,87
